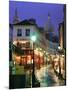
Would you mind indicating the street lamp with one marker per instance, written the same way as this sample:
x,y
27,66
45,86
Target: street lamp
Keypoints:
x,y
33,38
60,52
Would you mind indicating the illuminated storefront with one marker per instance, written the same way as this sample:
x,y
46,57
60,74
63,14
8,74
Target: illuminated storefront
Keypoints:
x,y
26,58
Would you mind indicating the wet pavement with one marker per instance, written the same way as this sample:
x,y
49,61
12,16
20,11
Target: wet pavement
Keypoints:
x,y
47,77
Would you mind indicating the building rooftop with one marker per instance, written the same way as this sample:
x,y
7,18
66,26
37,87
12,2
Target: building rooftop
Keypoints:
x,y
26,22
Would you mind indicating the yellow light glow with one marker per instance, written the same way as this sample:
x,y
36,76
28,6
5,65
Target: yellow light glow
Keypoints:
x,y
29,61
23,41
44,51
17,57
20,41
36,48
29,57
41,54
15,42
56,59
62,55
40,48
36,52
32,60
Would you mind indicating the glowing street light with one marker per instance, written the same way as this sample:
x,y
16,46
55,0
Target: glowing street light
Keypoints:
x,y
59,48
60,51
33,38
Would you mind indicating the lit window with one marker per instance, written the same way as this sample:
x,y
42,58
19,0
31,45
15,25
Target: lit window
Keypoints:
x,y
19,32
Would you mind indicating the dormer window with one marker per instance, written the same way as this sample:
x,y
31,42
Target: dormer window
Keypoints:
x,y
19,32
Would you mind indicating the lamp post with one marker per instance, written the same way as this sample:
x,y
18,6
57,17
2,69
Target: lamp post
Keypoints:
x,y
60,50
33,38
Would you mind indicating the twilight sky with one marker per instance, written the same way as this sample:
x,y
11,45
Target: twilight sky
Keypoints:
x,y
38,11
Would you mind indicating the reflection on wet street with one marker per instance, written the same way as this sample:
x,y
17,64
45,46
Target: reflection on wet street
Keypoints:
x,y
47,77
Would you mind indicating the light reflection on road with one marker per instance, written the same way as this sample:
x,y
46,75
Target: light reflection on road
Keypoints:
x,y
47,77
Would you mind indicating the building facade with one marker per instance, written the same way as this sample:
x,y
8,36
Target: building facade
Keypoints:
x,y
23,45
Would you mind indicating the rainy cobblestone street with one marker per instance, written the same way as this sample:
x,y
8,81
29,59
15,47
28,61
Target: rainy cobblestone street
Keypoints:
x,y
47,77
